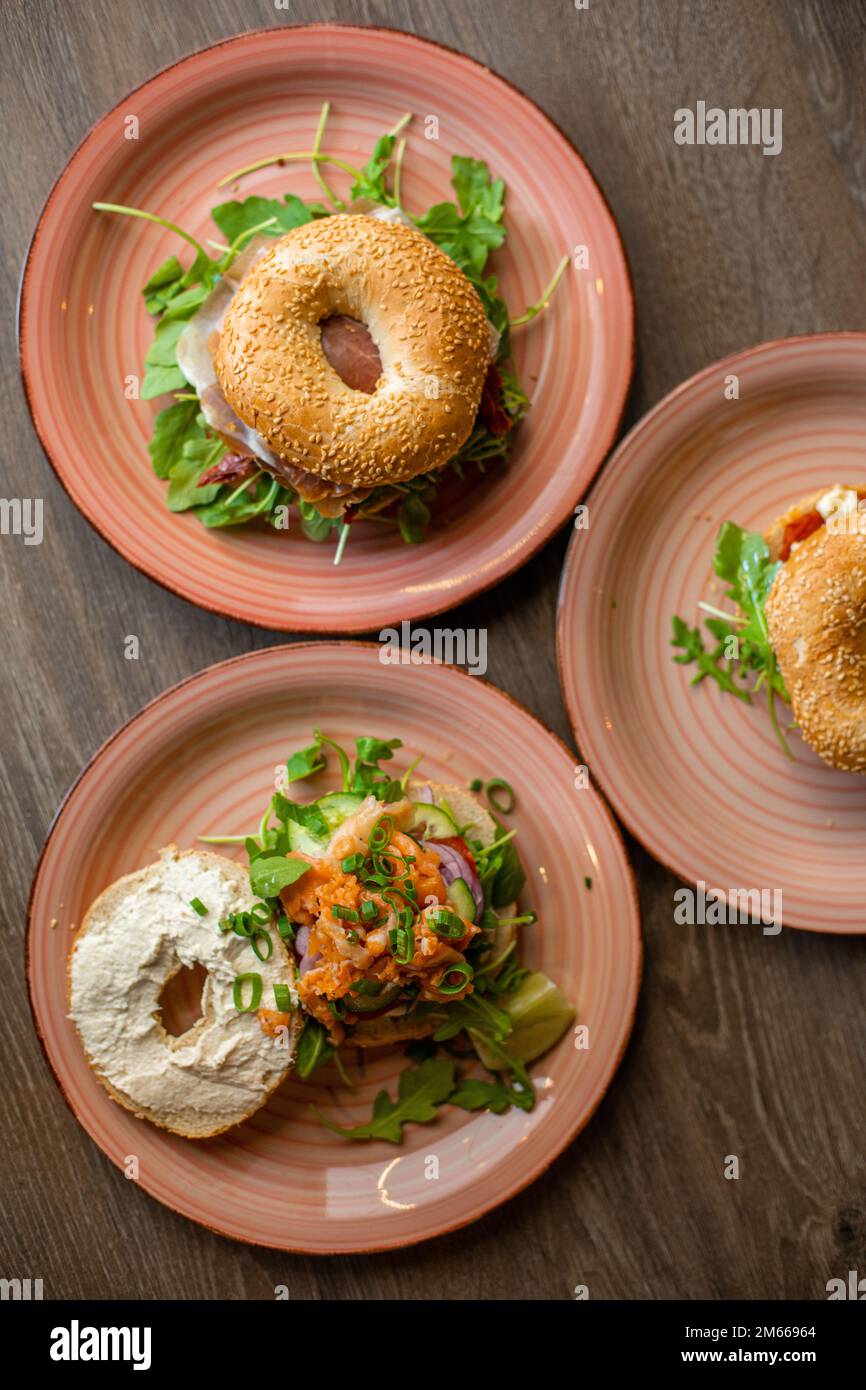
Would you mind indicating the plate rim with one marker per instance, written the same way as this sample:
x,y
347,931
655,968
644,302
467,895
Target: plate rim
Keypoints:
x,y
620,804
634,918
300,623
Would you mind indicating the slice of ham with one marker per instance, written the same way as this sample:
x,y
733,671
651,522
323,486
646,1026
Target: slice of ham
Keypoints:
x,y
350,349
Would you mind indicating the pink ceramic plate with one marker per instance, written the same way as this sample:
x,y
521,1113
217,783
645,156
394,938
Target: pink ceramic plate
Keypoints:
x,y
84,328
696,774
200,760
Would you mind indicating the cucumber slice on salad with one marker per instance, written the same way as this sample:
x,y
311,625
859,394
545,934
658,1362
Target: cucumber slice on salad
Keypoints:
x,y
302,842
338,806
459,895
438,823
540,1013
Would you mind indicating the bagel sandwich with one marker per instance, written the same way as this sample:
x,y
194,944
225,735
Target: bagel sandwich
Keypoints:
x,y
816,620
137,935
800,621
347,359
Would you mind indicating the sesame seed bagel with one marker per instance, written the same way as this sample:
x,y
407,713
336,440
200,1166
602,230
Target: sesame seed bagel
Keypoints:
x,y
816,618
135,937
424,316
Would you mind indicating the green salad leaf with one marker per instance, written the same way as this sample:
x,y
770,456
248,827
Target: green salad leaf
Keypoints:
x,y
269,875
420,1090
741,659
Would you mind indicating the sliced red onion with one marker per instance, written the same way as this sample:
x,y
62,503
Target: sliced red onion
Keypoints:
x,y
308,961
302,941
453,865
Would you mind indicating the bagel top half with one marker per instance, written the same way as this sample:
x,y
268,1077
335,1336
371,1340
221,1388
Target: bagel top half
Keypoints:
x,y
135,937
816,619
426,320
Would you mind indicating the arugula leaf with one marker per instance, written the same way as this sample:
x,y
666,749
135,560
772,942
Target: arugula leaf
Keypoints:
x,y
162,285
162,374
509,876
369,753
413,518
305,761
371,185
183,489
314,1050
172,429
315,526
269,875
468,233
419,1091
234,218
472,1094
743,560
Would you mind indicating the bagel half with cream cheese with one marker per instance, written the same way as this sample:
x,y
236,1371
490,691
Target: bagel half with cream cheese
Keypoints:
x,y
135,937
816,620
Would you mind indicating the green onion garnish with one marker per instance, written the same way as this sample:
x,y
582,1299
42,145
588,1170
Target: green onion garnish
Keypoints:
x,y
353,937
380,835
455,978
476,784
255,992
447,924
402,942
369,910
285,928
344,914
198,906
367,987
496,785
351,863
283,998
260,914
258,936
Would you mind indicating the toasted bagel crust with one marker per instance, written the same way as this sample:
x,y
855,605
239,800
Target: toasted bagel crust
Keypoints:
x,y
816,617
428,324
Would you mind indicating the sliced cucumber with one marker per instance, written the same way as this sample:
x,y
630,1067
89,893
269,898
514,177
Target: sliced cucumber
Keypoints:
x,y
540,1013
363,1002
337,806
302,842
438,823
459,895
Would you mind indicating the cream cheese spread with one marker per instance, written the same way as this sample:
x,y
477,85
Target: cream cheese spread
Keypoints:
x,y
137,935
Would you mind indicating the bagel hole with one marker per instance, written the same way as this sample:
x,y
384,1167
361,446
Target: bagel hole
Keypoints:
x,y
349,347
180,1000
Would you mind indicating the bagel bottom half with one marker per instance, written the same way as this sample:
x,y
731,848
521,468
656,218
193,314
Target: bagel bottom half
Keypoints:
x,y
135,937
390,1029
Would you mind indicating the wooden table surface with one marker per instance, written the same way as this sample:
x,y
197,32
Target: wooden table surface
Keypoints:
x,y
739,1047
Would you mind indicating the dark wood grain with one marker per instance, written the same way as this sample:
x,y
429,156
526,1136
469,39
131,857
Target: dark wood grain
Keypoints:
x,y
743,1044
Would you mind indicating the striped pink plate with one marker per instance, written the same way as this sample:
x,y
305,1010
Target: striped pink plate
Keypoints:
x,y
697,775
200,760
84,329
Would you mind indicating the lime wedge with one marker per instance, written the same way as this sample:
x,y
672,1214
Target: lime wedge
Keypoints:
x,y
540,1013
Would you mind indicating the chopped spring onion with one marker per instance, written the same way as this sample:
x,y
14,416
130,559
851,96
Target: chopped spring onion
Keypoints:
x,y
283,998
455,978
285,928
344,914
380,835
368,911
260,914
493,788
198,906
255,992
447,924
351,863
261,935
402,941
